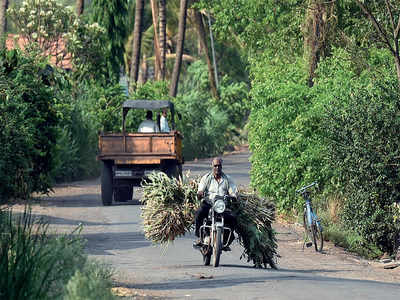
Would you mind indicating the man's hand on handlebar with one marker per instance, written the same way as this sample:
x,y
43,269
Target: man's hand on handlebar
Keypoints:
x,y
200,195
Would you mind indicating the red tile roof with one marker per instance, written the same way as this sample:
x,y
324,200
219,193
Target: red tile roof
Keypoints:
x,y
53,50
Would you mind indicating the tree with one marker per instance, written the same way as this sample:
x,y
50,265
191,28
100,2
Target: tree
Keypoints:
x,y
137,40
3,17
80,5
163,37
157,65
45,28
112,15
318,24
179,49
198,20
385,18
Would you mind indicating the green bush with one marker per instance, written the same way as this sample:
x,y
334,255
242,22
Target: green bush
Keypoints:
x,y
364,146
34,265
28,124
91,283
362,123
37,265
284,133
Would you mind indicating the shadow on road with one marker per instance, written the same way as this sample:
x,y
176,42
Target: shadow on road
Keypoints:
x,y
103,243
80,200
271,276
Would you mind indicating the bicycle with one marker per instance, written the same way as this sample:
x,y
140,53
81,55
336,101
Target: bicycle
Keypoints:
x,y
311,222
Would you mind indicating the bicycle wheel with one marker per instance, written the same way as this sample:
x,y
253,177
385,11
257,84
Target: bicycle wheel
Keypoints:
x,y
317,236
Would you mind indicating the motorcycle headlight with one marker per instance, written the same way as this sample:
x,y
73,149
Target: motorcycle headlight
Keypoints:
x,y
219,206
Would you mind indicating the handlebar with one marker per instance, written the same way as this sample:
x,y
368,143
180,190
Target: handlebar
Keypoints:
x,y
303,189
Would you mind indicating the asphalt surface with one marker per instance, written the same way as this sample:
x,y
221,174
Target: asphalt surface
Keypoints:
x,y
115,235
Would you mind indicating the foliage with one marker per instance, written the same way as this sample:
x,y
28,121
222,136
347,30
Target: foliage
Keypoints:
x,y
33,264
37,265
112,15
43,22
208,124
87,45
362,126
27,126
256,24
91,283
284,134
58,33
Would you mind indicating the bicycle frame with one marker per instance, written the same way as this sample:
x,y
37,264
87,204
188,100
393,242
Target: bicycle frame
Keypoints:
x,y
311,216
312,224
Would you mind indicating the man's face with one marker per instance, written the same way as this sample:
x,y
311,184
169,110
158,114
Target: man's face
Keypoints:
x,y
217,167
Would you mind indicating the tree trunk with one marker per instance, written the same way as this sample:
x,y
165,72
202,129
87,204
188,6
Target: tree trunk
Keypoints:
x,y
203,44
137,41
80,5
397,62
318,28
143,74
179,49
157,66
3,19
163,37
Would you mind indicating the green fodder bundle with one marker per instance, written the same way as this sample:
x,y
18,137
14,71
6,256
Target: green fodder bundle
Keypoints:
x,y
254,217
169,207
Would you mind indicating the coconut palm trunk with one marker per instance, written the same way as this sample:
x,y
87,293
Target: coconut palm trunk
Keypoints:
x,y
157,65
3,19
137,41
179,48
163,37
80,5
203,44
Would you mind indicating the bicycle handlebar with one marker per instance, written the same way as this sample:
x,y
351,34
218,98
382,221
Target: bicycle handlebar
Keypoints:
x,y
306,187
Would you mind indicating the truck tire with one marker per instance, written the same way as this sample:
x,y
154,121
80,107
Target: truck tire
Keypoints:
x,y
174,170
106,184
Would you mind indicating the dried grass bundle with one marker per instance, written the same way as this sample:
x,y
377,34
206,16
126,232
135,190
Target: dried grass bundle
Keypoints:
x,y
169,207
255,216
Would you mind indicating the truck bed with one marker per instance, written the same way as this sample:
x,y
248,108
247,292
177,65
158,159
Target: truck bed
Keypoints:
x,y
140,148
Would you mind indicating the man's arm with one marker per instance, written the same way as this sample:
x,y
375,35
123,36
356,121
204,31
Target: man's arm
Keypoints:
x,y
202,187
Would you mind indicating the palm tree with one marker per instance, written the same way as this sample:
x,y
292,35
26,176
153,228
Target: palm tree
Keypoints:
x,y
179,48
157,65
198,20
80,5
163,37
137,39
3,18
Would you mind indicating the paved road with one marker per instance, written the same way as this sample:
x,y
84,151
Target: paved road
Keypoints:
x,y
115,235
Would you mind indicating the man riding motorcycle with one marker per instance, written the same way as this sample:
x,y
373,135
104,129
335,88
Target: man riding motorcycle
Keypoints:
x,y
213,184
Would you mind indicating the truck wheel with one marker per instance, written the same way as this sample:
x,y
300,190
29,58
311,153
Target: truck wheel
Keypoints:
x,y
106,184
172,170
180,171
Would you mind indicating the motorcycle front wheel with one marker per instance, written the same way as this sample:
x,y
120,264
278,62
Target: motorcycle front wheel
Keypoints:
x,y
217,246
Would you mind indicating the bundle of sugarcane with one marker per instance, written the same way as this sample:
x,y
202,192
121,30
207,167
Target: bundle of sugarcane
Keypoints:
x,y
169,206
169,210
254,217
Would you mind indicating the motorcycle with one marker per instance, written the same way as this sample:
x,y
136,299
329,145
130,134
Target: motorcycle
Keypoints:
x,y
214,235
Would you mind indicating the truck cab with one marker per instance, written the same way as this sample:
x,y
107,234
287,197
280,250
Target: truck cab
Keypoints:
x,y
127,158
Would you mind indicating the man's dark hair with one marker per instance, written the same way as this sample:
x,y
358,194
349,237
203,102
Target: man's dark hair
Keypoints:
x,y
149,115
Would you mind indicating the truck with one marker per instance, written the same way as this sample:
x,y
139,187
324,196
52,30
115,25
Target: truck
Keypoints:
x,y
128,158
